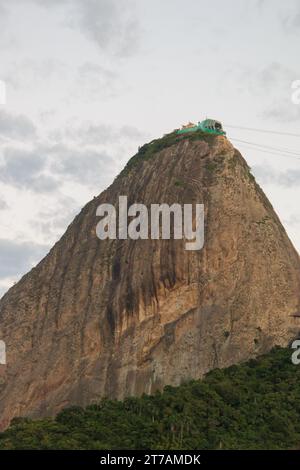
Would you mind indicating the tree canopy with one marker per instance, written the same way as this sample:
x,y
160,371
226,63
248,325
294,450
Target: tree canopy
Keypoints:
x,y
255,405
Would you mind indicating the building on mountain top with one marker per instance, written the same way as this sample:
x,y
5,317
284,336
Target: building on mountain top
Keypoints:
x,y
210,126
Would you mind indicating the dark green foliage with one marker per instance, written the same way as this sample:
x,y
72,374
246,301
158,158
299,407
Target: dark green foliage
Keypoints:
x,y
179,183
249,175
149,150
250,406
211,166
264,220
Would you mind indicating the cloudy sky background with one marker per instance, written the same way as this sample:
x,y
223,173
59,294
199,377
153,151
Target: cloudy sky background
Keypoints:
x,y
88,81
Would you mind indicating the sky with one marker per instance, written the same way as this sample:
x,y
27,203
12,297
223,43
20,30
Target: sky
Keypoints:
x,y
89,81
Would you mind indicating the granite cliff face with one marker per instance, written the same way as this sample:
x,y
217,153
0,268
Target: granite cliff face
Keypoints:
x,y
121,317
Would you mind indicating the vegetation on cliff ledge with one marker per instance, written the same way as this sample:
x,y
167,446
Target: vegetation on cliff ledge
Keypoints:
x,y
250,406
150,149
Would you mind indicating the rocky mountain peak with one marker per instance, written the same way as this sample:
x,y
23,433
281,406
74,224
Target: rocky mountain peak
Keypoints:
x,y
122,317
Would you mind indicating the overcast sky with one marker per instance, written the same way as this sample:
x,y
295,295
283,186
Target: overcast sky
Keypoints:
x,y
88,81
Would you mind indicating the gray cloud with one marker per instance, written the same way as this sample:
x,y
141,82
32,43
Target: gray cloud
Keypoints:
x,y
272,85
91,134
24,169
82,166
264,174
17,127
110,24
3,205
89,70
2,12
291,21
2,291
282,110
71,155
53,221
272,78
16,258
277,79
293,220
274,75
43,169
101,134
4,41
95,80
289,178
25,73
267,175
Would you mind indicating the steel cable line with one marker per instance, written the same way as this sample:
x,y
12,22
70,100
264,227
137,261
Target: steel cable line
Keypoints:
x,y
262,130
269,147
272,152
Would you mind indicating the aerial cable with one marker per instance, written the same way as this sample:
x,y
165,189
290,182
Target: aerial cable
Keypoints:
x,y
262,130
272,152
269,147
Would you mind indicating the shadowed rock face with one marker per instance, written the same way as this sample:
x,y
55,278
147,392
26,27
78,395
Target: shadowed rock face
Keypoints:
x,y
122,317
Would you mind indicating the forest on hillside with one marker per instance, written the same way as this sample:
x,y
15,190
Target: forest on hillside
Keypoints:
x,y
255,405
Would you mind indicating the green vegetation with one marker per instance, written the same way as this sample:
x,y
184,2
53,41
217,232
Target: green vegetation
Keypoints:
x,y
232,163
250,406
179,183
264,220
215,165
149,150
248,174
211,166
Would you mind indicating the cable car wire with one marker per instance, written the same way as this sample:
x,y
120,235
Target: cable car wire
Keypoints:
x,y
270,152
269,147
263,130
265,150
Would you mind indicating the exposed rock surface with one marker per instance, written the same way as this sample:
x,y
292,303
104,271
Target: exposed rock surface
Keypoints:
x,y
119,317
